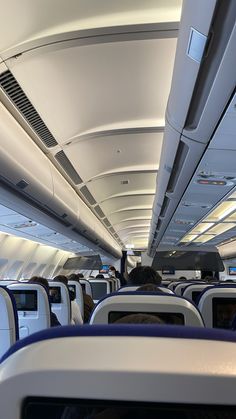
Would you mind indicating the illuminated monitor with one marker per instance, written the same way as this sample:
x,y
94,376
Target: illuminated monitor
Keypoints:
x,y
55,295
104,269
26,300
167,318
195,296
57,408
232,270
168,271
224,310
99,289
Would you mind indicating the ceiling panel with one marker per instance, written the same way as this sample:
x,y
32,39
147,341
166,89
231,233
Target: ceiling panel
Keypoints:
x,y
127,203
41,18
138,214
95,87
122,184
105,101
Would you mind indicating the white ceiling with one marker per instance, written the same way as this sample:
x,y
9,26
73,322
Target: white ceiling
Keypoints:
x,y
103,100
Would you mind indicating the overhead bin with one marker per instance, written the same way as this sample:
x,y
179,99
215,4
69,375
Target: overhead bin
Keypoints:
x,y
28,171
203,76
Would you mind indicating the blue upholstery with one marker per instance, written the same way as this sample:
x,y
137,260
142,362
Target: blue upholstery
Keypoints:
x,y
146,330
14,309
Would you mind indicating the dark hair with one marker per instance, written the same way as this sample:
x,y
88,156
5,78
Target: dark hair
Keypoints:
x,y
149,287
100,276
61,278
39,280
80,275
73,277
112,268
140,318
144,275
182,277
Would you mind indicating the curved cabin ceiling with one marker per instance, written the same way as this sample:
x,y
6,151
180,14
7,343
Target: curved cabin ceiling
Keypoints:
x,y
99,74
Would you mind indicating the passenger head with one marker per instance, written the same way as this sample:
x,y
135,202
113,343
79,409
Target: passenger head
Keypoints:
x,y
209,278
61,278
39,280
144,275
139,318
182,278
73,277
149,287
100,276
81,276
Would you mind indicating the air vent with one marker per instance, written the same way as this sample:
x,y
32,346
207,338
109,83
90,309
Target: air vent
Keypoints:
x,y
124,182
67,167
112,230
13,90
106,222
22,184
85,192
180,157
99,211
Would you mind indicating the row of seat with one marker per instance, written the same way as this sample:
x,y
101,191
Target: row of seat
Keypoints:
x,y
120,371
217,306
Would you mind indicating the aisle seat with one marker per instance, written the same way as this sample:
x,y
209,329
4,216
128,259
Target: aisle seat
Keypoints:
x,y
169,308
86,287
218,306
147,378
9,329
100,288
193,291
77,291
32,306
60,302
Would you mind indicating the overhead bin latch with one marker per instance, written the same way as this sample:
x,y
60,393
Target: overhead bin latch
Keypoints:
x,y
196,45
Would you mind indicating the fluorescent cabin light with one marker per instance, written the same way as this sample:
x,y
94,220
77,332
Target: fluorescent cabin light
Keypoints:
x,y
201,228
188,238
231,218
224,209
221,228
204,238
129,246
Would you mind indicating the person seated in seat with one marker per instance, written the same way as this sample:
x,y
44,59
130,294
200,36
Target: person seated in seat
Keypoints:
x,y
149,288
88,301
44,282
76,317
144,275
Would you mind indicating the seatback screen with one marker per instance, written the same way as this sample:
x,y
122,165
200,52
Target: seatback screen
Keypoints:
x,y
167,318
99,289
224,310
55,295
26,300
62,408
